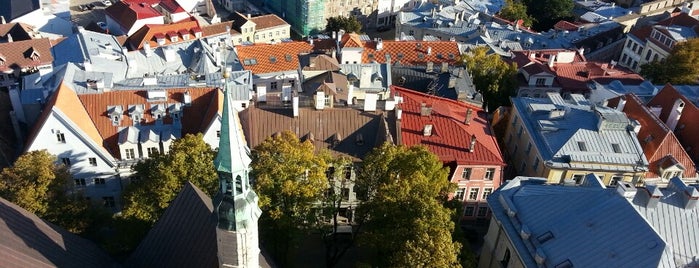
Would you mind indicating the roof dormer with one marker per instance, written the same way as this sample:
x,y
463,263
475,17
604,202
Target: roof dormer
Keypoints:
x,y
158,111
32,53
136,113
115,113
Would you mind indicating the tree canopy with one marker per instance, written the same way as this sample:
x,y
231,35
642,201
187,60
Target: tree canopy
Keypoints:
x,y
403,215
516,10
493,77
349,24
678,68
547,12
160,178
290,180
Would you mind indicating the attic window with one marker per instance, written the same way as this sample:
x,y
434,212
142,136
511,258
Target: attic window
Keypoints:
x,y
287,57
250,62
440,56
582,146
616,148
545,237
371,56
272,59
451,56
399,56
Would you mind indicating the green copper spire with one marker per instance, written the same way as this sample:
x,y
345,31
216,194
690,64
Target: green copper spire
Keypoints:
x,y
233,152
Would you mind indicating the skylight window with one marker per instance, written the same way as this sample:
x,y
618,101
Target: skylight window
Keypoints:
x,y
545,237
616,147
371,55
440,56
272,59
420,55
451,56
399,56
287,57
582,146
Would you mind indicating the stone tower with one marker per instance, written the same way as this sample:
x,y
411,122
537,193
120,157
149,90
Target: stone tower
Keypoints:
x,y
237,209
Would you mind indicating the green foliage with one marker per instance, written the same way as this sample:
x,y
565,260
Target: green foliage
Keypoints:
x,y
349,24
515,10
161,178
678,68
493,77
290,180
547,12
402,216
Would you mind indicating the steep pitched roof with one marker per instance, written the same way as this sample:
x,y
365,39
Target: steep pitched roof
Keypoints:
x,y
126,13
28,241
687,127
13,9
270,58
351,40
25,54
185,236
19,31
662,141
171,6
451,136
151,32
413,52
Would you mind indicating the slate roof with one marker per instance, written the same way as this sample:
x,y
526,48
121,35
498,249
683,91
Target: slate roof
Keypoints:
x,y
346,123
184,236
17,55
557,139
662,144
577,218
677,20
272,58
451,136
28,241
687,126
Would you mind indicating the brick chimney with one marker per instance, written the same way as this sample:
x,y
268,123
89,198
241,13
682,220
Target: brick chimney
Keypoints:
x,y
472,147
469,116
425,110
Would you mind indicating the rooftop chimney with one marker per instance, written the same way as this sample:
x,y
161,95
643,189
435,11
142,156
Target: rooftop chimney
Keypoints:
x,y
9,38
399,113
552,60
622,103
295,104
425,110
472,146
429,50
469,116
379,44
187,99
626,189
690,194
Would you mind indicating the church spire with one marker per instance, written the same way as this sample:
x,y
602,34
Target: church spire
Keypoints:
x,y
238,211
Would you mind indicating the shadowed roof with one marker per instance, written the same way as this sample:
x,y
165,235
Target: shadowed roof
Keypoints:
x,y
270,58
25,54
28,241
687,127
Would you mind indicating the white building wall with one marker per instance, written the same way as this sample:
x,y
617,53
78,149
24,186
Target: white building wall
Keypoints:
x,y
272,34
140,23
211,134
351,55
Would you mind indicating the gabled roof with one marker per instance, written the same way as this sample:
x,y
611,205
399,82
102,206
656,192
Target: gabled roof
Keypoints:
x,y
19,31
271,58
413,52
184,236
12,9
20,54
687,126
680,19
351,40
171,6
150,33
218,28
451,136
126,13
662,143
28,241
267,21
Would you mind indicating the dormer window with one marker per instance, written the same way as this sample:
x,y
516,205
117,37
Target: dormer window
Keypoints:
x,y
158,111
160,39
136,113
115,113
175,111
2,60
173,36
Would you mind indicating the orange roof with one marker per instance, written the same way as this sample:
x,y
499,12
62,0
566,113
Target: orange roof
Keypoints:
x,y
269,58
413,52
663,142
351,40
149,32
687,126
451,136
193,116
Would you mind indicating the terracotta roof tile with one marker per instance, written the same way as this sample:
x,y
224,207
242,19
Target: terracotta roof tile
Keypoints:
x,y
687,126
172,6
218,28
663,142
413,52
269,58
25,54
19,31
351,40
451,137
268,21
150,32
565,25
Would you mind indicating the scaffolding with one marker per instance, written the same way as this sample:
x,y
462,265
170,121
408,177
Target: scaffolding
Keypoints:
x,y
305,16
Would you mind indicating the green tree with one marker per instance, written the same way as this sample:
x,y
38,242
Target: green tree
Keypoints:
x,y
493,77
515,10
36,183
403,214
678,68
160,178
333,200
547,12
290,180
349,24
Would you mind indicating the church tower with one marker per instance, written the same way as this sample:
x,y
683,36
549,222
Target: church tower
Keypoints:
x,y
237,209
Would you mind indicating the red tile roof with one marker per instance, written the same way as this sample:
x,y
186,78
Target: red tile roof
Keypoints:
x,y
451,137
681,19
25,54
413,52
151,32
565,25
687,126
126,13
171,6
218,28
663,142
351,40
89,111
269,58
